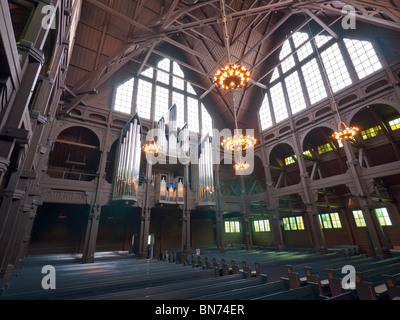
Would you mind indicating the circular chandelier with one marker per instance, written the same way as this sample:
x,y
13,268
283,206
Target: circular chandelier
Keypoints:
x,y
239,142
345,133
241,166
151,147
232,76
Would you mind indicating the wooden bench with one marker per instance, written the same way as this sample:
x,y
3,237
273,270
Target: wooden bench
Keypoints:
x,y
308,292
246,292
370,284
392,285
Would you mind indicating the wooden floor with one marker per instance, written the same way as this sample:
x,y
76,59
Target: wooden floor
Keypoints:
x,y
119,276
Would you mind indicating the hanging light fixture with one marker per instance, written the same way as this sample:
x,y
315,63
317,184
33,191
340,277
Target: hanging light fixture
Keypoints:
x,y
151,148
233,75
345,132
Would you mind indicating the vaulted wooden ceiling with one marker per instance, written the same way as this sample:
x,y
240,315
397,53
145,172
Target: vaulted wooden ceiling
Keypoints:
x,y
116,35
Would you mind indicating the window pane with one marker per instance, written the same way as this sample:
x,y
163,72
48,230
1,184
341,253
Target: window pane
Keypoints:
x,y
189,88
394,124
335,67
300,224
161,103
123,97
163,76
298,39
295,92
286,225
193,114
177,82
278,102
206,121
383,217
265,114
275,75
363,56
143,99
149,72
293,223
335,220
313,79
289,62
359,218
321,40
371,132
179,100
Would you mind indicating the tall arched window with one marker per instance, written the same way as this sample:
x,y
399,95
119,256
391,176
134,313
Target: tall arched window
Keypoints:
x,y
298,80
159,88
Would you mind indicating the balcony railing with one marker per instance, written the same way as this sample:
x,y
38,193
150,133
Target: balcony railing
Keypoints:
x,y
69,175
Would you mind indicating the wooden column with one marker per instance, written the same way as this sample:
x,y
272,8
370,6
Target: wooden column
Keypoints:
x,y
145,215
272,207
309,198
379,245
245,216
186,210
219,213
92,229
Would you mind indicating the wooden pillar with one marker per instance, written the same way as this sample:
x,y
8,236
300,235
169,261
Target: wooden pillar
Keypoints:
x,y
145,215
379,245
219,213
272,207
186,210
89,246
309,198
245,216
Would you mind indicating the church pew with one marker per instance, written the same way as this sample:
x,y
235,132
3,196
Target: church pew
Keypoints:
x,y
392,285
81,284
308,292
370,284
335,276
178,289
245,293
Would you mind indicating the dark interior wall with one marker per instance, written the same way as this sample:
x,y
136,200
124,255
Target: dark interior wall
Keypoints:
x,y
59,228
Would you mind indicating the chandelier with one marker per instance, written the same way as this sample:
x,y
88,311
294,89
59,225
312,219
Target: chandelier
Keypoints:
x,y
233,75
345,133
241,166
151,148
239,142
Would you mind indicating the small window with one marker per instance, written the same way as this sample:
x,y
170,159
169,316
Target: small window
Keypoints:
x,y
359,218
293,223
394,124
232,226
324,148
330,220
289,160
371,132
261,226
383,216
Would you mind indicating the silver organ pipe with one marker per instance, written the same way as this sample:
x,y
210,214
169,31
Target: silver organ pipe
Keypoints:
x,y
206,178
127,174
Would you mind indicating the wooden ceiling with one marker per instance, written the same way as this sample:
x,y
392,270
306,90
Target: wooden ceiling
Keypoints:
x,y
128,35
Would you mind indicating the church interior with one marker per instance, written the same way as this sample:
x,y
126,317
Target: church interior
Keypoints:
x,y
199,150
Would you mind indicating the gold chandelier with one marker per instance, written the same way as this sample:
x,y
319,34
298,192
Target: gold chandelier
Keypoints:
x,y
239,142
151,148
345,133
241,166
232,76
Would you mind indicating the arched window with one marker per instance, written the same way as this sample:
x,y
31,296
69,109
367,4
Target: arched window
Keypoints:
x,y
298,80
159,88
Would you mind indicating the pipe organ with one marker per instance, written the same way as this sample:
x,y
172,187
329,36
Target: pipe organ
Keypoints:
x,y
167,191
205,193
127,175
